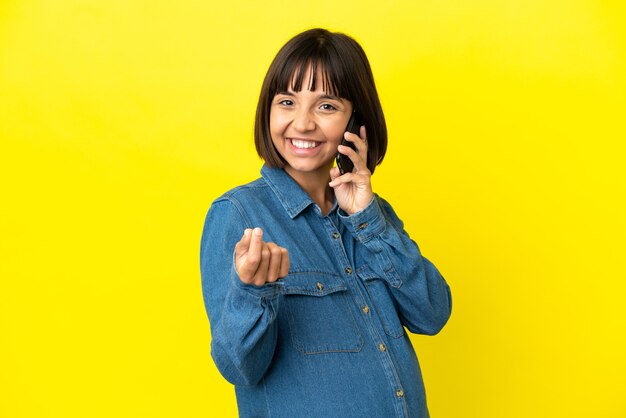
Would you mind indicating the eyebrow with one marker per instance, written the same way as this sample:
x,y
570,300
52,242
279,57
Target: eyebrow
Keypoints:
x,y
331,97
323,96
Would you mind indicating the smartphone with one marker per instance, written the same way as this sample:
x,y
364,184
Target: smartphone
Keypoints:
x,y
344,163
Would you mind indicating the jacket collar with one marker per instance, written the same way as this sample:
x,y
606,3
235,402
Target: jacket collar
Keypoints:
x,y
288,192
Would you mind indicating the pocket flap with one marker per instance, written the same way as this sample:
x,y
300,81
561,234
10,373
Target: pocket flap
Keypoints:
x,y
366,273
312,284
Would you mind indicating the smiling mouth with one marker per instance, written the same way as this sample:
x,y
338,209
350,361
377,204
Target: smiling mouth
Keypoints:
x,y
303,144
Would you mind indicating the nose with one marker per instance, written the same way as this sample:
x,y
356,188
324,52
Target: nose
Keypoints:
x,y
304,121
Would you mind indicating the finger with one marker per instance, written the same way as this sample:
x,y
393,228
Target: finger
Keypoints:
x,y
334,173
260,277
256,242
359,179
359,141
273,269
241,249
345,178
356,159
244,243
284,262
250,264
365,157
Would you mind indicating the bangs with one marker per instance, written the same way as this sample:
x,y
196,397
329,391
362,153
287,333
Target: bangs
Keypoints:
x,y
323,71
328,81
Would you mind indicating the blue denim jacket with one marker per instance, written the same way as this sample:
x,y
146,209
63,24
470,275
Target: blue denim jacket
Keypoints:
x,y
329,339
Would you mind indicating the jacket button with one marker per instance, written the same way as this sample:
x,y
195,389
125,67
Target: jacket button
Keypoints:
x,y
335,235
348,270
363,225
399,393
319,285
382,347
366,309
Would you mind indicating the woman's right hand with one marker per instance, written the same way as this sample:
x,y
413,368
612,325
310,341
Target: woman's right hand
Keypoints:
x,y
258,262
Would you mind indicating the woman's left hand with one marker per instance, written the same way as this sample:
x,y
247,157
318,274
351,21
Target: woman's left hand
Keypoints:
x,y
353,190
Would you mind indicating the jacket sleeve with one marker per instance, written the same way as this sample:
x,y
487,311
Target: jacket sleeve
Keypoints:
x,y
242,317
421,295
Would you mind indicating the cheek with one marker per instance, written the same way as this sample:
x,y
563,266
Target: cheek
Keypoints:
x,y
276,131
277,123
334,132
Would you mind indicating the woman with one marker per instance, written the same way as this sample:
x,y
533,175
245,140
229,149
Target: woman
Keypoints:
x,y
308,277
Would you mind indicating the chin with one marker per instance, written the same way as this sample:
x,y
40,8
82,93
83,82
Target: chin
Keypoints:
x,y
307,167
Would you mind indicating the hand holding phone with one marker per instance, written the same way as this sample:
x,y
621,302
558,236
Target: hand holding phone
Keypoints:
x,y
353,189
344,163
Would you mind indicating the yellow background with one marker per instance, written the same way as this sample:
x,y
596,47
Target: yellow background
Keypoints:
x,y
120,122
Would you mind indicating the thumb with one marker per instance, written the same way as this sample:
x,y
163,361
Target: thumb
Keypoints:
x,y
244,243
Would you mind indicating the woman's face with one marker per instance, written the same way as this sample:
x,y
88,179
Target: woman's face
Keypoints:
x,y
307,126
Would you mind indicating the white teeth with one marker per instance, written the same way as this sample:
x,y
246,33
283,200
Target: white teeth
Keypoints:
x,y
298,143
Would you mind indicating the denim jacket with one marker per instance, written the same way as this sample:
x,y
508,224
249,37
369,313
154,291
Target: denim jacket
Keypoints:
x,y
328,340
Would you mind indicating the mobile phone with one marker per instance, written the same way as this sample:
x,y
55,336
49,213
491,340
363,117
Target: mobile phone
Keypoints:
x,y
344,163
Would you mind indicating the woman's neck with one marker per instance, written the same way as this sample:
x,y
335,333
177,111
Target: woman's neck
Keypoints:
x,y
315,184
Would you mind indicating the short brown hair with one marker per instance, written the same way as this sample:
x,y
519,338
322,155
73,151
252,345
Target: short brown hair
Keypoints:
x,y
345,73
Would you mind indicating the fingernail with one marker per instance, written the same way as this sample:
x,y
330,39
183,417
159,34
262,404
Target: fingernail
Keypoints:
x,y
257,232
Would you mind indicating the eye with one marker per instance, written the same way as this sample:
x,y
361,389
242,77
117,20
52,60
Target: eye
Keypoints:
x,y
285,102
327,106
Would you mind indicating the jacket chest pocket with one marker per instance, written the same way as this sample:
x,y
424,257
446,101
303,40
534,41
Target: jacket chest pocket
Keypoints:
x,y
320,320
380,295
